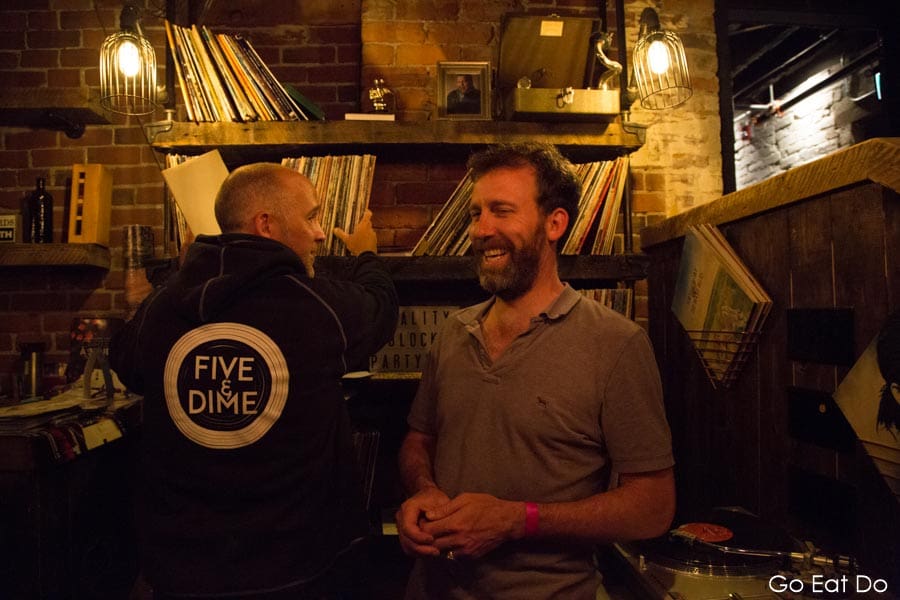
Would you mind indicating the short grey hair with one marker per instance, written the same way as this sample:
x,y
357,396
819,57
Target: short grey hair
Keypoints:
x,y
244,190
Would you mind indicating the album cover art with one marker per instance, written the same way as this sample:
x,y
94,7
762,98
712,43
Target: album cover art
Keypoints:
x,y
869,397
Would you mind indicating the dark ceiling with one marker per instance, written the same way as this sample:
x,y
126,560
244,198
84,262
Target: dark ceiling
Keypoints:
x,y
775,46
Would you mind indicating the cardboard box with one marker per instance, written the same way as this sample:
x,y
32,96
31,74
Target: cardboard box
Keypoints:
x,y
9,228
90,205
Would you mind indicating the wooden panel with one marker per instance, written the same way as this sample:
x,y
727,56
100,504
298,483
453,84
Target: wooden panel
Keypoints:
x,y
891,205
837,249
812,285
763,245
859,231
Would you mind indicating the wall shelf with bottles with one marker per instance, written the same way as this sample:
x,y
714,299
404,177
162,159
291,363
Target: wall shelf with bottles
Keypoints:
x,y
54,255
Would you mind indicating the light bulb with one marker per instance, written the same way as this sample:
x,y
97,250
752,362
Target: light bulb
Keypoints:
x,y
658,57
129,59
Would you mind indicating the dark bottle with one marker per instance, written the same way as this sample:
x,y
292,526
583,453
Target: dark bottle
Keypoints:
x,y
39,220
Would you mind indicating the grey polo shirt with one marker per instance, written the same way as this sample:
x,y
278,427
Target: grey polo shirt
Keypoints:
x,y
574,397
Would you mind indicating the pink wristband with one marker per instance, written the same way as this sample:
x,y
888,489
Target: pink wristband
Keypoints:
x,y
532,517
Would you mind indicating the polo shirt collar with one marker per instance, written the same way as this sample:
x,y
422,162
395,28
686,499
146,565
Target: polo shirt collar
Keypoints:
x,y
471,316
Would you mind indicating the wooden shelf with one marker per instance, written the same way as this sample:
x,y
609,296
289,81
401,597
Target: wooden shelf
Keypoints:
x,y
54,255
451,279
64,109
435,140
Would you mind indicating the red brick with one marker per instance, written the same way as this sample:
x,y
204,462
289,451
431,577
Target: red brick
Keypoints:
x,y
37,301
35,59
332,73
425,54
654,182
382,195
393,32
99,300
17,159
79,57
349,53
114,155
455,33
54,39
129,135
24,78
402,217
7,178
9,60
309,54
89,19
649,202
439,10
43,20
136,175
93,136
123,196
385,239
93,38
405,171
12,40
92,78
144,216
149,195
56,157
13,21
406,239
377,54
64,78
33,139
73,4
342,34
424,192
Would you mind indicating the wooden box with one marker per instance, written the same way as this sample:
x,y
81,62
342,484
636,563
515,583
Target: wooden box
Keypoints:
x,y
90,204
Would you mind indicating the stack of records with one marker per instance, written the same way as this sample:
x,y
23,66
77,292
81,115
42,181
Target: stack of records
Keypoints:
x,y
721,306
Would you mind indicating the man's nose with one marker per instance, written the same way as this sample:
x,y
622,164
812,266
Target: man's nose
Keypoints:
x,y
482,227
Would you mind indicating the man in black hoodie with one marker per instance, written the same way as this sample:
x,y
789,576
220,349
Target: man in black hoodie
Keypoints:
x,y
249,486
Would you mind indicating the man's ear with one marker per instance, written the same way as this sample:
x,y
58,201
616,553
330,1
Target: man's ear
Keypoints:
x,y
555,224
262,224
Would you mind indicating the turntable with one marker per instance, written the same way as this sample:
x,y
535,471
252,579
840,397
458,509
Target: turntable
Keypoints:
x,y
731,553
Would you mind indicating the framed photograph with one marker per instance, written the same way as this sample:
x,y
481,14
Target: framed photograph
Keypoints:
x,y
464,90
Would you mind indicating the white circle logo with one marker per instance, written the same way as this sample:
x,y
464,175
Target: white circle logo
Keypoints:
x,y
225,384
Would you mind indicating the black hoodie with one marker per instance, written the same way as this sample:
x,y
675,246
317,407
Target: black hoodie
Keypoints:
x,y
249,482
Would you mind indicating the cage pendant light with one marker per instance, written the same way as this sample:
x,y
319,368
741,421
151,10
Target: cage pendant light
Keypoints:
x,y
660,66
128,69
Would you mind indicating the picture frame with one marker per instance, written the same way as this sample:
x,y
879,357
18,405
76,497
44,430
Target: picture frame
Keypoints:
x,y
464,90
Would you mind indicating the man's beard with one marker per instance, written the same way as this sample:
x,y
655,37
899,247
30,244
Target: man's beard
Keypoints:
x,y
518,276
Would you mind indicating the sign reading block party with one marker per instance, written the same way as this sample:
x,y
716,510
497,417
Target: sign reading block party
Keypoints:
x,y
417,328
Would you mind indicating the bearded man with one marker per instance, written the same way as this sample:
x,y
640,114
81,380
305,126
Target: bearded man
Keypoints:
x,y
538,429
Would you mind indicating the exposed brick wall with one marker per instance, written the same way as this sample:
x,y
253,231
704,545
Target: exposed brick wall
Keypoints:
x,y
770,142
331,51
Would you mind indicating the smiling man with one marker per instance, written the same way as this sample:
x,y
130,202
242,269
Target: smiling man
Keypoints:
x,y
538,429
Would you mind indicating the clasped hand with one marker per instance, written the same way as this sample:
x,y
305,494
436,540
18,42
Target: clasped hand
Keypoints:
x,y
471,525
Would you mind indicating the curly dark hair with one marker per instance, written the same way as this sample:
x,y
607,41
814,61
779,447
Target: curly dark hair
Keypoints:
x,y
887,349
558,185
